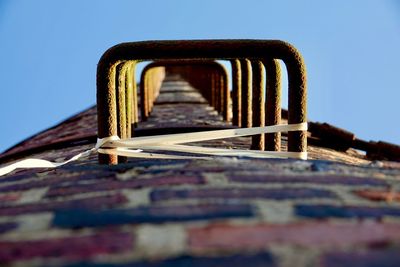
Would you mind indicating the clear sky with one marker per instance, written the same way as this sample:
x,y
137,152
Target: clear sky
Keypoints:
x,y
49,51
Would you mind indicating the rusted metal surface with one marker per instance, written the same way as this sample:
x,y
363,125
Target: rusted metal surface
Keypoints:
x,y
331,136
150,84
227,99
326,135
132,99
209,77
236,93
258,102
200,49
214,97
121,107
126,98
383,150
245,69
122,111
217,101
129,97
273,103
224,94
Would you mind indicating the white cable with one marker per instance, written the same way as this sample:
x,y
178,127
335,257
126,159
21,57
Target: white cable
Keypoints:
x,y
133,147
41,163
204,136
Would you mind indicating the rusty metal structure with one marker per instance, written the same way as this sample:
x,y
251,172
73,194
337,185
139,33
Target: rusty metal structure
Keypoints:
x,y
210,77
258,100
112,99
150,84
236,93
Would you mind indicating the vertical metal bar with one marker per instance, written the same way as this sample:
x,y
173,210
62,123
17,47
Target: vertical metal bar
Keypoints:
x,y
157,75
221,94
213,91
209,88
106,105
297,78
149,87
120,85
236,93
122,106
218,92
129,98
225,95
273,103
258,102
135,100
245,67
201,81
144,109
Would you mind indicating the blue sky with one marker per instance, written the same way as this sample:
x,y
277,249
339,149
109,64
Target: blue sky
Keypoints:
x,y
49,51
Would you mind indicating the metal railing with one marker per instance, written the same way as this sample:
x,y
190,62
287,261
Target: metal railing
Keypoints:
x,y
252,55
